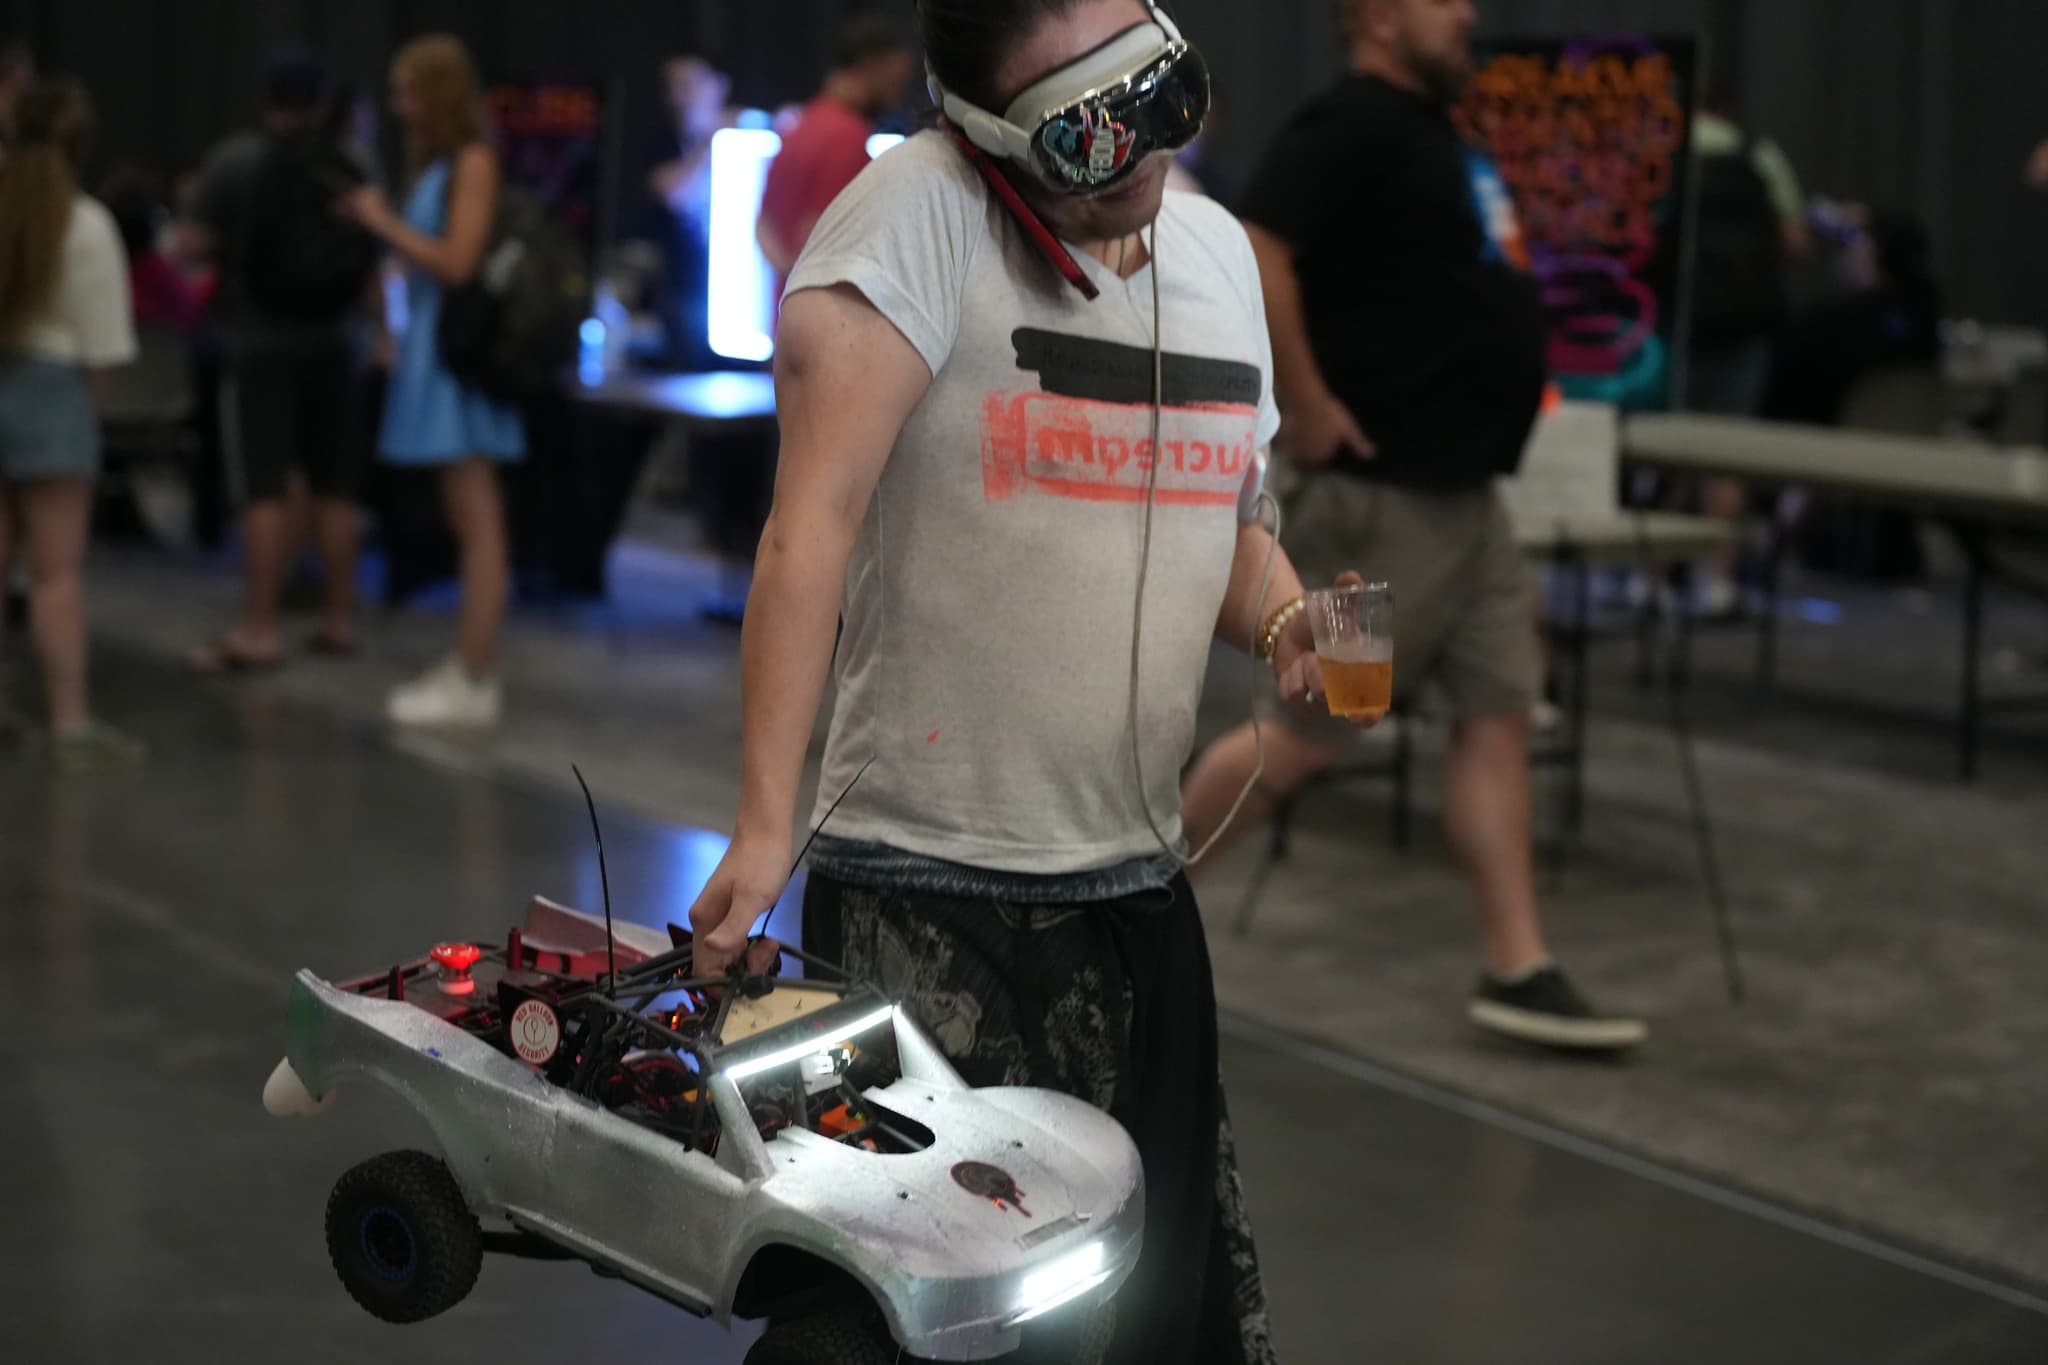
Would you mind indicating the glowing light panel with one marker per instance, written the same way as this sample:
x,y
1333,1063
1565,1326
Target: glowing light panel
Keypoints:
x,y
742,296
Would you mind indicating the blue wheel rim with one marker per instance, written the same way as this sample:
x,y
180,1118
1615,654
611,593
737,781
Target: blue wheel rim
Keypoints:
x,y
387,1244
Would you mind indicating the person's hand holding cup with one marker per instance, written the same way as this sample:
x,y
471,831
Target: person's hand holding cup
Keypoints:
x,y
1349,672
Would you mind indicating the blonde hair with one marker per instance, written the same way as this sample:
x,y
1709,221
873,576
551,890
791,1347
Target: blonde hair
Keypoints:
x,y
38,189
448,96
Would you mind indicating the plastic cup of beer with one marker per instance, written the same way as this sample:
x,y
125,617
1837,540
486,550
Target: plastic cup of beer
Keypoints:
x,y
1354,629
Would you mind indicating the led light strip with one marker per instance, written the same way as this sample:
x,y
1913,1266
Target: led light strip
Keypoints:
x,y
796,1052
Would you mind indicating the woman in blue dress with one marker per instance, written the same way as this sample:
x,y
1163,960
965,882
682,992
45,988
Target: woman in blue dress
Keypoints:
x,y
430,419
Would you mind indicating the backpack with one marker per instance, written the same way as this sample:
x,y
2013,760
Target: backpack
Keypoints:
x,y
513,328
1739,290
300,260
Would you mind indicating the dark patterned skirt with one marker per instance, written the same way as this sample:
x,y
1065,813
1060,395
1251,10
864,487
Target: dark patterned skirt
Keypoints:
x,y
1111,1002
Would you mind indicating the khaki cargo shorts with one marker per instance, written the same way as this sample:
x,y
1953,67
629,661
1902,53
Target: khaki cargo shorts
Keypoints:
x,y
1464,600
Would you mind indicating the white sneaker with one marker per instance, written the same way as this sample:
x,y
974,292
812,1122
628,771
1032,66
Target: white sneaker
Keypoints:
x,y
447,695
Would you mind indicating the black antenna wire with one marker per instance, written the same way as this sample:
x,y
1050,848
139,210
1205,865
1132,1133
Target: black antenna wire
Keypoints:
x,y
611,961
826,821
755,938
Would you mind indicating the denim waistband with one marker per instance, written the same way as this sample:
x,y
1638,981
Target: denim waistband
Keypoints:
x,y
862,863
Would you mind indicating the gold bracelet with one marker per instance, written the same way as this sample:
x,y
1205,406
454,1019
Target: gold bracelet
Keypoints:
x,y
1277,624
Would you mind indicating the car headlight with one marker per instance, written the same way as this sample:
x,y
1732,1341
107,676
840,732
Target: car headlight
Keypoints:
x,y
1061,1282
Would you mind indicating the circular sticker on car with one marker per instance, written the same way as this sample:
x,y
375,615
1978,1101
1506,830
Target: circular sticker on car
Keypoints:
x,y
536,1032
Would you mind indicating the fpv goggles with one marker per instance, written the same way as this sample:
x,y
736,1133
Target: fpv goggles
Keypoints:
x,y
1088,126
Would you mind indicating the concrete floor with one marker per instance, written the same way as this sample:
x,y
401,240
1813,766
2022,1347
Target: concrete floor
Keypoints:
x,y
148,924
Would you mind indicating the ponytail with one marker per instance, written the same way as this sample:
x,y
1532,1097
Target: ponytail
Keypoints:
x,y
38,189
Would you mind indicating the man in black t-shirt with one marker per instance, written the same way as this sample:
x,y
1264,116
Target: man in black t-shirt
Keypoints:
x,y
1409,342
292,441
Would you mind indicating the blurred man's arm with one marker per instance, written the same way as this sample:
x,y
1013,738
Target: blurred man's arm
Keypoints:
x,y
1317,424
1788,197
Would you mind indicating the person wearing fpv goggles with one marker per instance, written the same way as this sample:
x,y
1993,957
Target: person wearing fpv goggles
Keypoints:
x,y
1025,397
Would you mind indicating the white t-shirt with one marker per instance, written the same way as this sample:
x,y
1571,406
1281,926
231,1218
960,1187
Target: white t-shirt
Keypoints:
x,y
91,321
985,661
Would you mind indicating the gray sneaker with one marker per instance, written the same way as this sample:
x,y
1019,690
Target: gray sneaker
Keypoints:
x,y
97,748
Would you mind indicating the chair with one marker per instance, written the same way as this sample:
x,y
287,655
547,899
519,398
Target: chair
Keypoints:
x,y
1899,401
1396,762
149,403
146,415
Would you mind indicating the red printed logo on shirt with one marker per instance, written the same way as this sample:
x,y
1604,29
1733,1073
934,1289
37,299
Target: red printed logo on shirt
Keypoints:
x,y
1087,434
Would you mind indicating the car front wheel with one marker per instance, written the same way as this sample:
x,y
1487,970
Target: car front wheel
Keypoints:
x,y
402,1237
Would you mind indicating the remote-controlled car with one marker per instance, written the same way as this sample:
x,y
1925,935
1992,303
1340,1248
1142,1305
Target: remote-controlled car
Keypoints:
x,y
745,1146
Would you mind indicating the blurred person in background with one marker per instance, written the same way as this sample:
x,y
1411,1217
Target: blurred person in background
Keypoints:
x,y
698,98
64,321
353,126
163,295
1410,352
431,419
294,276
1751,228
183,244
1889,319
872,68
17,75
180,239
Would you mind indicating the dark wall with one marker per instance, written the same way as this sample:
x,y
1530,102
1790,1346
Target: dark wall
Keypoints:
x,y
1925,104
171,76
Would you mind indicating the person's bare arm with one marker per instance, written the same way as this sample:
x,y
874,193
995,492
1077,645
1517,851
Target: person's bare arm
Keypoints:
x,y
1244,611
1319,426
2037,167
846,381
452,257
1295,669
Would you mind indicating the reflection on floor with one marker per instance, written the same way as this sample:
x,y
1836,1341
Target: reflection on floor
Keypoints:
x,y
148,923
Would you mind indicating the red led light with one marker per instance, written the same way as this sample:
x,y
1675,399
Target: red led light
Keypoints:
x,y
457,957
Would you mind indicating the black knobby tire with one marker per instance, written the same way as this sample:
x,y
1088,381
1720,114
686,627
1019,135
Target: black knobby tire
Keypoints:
x,y
842,1336
402,1238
